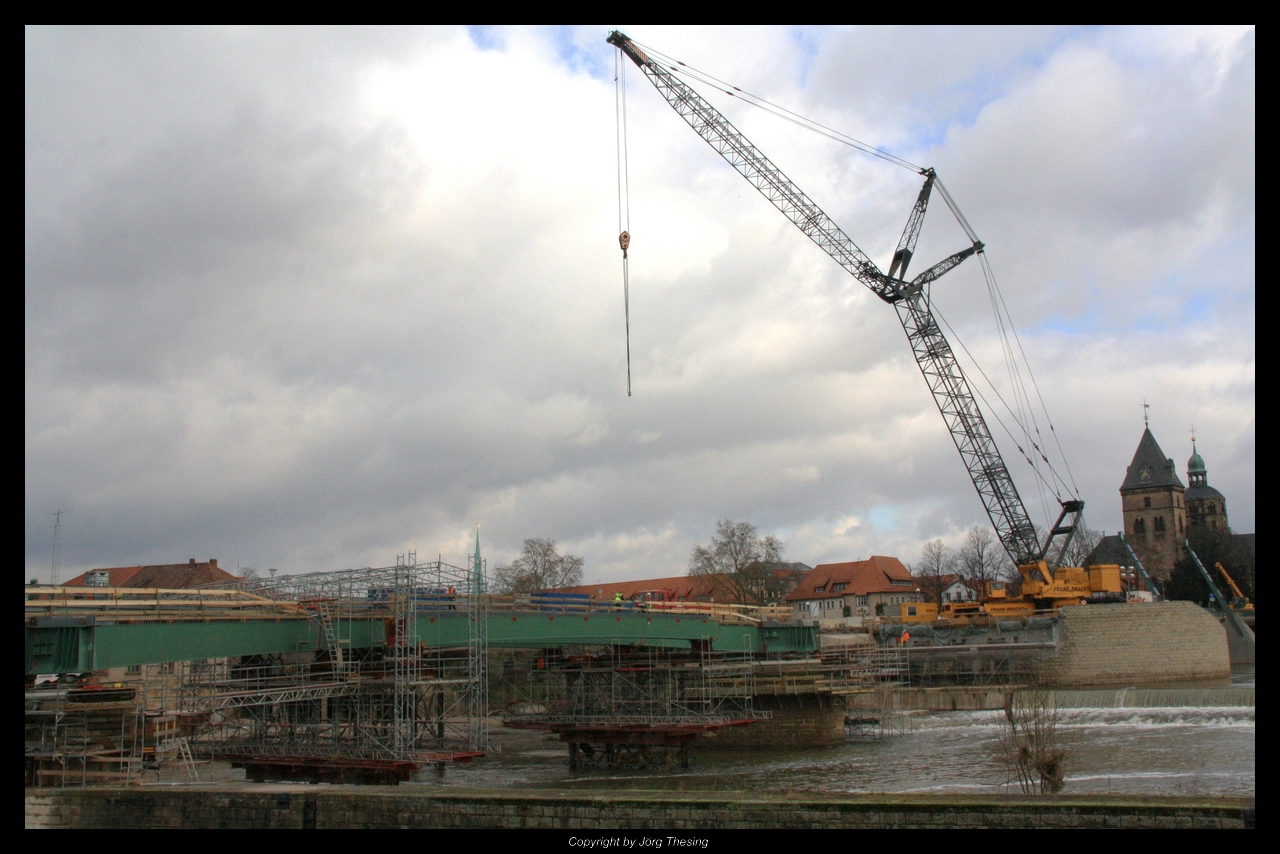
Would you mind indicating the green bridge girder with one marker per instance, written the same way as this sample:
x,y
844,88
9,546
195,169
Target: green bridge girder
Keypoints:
x,y
77,645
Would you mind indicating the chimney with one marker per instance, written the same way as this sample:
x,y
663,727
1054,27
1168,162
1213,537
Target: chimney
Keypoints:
x,y
213,562
191,562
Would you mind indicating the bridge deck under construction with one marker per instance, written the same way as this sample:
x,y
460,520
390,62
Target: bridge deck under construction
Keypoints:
x,y
119,628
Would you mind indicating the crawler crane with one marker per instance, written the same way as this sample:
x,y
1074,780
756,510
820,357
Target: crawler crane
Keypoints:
x,y
1044,584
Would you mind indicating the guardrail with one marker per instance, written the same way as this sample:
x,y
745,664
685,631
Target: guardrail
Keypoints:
x,y
150,604
583,604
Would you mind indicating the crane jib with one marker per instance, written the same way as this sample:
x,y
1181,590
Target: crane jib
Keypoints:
x,y
934,356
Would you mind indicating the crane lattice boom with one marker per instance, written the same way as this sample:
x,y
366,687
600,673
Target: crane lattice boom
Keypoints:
x,y
937,361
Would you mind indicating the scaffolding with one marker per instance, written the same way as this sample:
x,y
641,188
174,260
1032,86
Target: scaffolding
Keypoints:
x,y
405,701
625,706
622,685
78,736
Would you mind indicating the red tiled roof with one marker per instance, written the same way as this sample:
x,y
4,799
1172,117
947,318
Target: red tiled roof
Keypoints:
x,y
117,576
874,575
690,588
170,576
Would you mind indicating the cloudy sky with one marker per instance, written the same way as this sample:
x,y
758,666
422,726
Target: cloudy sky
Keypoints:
x,y
308,299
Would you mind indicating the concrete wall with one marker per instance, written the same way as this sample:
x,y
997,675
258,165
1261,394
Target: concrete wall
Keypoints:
x,y
306,807
967,698
799,720
1127,644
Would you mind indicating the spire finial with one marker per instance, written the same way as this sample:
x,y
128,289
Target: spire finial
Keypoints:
x,y
1146,422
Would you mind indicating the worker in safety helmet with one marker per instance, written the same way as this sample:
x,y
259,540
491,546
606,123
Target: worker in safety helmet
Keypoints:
x,y
617,600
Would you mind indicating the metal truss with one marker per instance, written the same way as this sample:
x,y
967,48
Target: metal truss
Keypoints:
x,y
968,429
626,687
416,709
933,354
708,123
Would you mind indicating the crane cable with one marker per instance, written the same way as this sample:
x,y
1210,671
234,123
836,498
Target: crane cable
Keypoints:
x,y
1016,363
624,193
781,112
1024,416
1003,309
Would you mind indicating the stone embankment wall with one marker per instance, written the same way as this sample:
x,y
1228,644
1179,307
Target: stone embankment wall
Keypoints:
x,y
660,813
1149,642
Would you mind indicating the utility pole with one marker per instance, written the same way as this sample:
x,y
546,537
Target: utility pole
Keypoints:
x,y
57,542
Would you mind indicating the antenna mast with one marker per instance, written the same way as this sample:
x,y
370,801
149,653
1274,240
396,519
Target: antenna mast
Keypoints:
x,y
57,542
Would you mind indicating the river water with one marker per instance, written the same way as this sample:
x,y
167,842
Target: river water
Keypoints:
x,y
1167,749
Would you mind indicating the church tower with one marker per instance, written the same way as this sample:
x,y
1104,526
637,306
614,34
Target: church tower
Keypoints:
x,y
1155,509
1206,508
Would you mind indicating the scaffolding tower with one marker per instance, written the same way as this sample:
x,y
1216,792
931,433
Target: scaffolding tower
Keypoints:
x,y
406,701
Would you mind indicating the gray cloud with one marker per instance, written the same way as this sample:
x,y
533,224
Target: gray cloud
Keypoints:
x,y
308,298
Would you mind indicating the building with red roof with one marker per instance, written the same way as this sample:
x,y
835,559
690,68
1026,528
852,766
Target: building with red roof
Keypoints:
x,y
853,590
167,576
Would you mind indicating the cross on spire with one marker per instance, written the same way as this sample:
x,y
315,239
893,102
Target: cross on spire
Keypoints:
x,y
1146,422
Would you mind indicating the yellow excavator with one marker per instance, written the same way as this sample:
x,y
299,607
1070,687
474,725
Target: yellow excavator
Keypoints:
x,y
1239,602
1040,591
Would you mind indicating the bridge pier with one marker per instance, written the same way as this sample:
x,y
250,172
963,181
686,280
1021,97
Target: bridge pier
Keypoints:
x,y
798,720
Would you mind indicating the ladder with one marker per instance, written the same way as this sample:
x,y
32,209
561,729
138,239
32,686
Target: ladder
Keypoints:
x,y
188,760
320,609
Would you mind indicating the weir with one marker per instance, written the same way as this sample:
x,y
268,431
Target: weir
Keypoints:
x,y
1150,698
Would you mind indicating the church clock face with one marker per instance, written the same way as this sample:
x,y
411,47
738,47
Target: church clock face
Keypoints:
x,y
1145,474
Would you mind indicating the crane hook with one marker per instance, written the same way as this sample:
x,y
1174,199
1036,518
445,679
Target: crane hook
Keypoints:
x,y
624,240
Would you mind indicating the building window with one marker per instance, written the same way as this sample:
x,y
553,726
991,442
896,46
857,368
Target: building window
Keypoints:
x,y
862,601
819,588
97,579
1139,526
836,588
1159,525
1146,501
1208,508
1179,524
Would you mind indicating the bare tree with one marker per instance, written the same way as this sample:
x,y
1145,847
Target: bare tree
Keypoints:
x,y
539,567
1034,750
745,561
248,572
982,558
1082,544
935,564
1011,574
